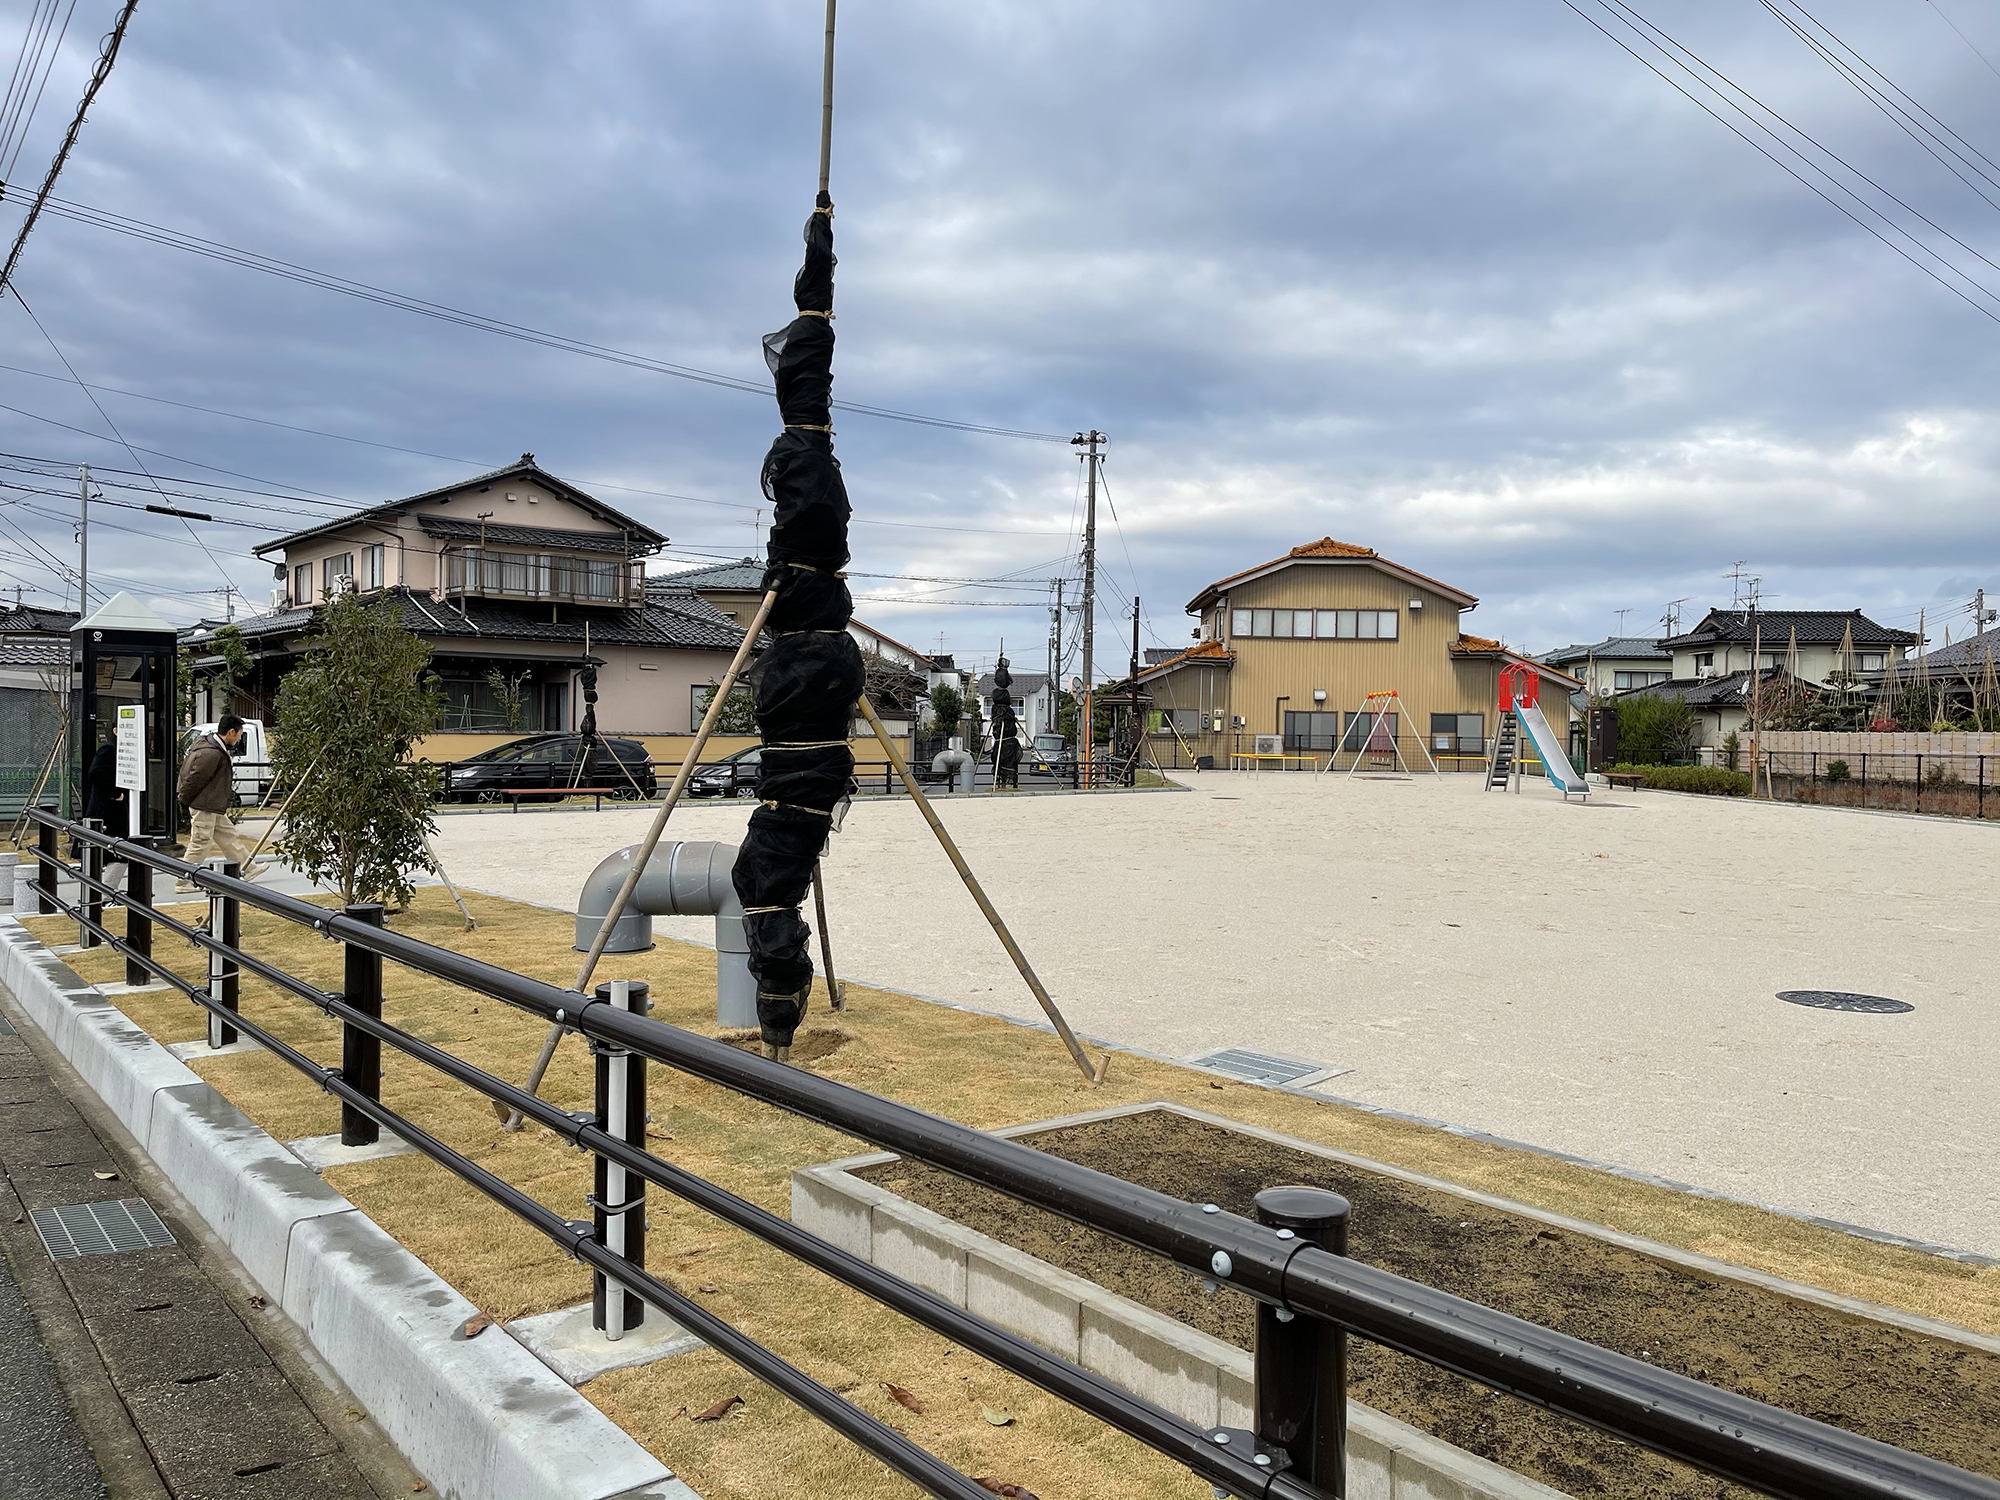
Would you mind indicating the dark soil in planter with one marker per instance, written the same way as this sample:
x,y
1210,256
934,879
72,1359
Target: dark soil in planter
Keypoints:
x,y
1928,1395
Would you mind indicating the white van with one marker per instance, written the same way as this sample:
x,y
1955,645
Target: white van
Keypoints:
x,y
252,782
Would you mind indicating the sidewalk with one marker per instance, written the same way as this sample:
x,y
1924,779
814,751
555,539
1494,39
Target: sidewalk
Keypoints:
x,y
143,1366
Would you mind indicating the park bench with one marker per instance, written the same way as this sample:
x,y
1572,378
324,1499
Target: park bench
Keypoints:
x,y
1630,780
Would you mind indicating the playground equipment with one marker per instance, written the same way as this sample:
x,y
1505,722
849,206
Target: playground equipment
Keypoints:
x,y
1381,712
1521,714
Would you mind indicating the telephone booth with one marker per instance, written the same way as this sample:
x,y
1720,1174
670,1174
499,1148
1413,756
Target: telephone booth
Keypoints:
x,y
124,655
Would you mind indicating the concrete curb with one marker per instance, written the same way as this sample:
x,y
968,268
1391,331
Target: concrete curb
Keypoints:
x,y
1193,1374
481,1419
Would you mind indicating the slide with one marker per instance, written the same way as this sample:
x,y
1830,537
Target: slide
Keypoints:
x,y
1541,734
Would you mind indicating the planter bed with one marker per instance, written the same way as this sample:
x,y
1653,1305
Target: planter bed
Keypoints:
x,y
1896,1378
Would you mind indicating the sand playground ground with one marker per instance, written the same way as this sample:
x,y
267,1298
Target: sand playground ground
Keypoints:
x,y
1597,979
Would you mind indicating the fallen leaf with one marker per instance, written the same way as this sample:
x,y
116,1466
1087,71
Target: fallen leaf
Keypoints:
x,y
678,1411
259,1302
718,1411
711,1290
1214,1085
904,1398
418,1488
105,1176
658,1135
995,1418
1002,1487
475,1325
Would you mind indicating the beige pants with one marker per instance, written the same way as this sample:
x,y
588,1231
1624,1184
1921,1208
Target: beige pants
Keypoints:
x,y
211,834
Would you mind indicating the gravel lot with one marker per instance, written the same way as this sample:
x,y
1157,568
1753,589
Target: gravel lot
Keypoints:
x,y
1598,979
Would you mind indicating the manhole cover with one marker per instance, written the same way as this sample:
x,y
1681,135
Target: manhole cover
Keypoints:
x,y
101,1228
1874,1005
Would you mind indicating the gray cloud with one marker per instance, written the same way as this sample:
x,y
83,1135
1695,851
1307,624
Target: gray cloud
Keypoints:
x,y
1462,282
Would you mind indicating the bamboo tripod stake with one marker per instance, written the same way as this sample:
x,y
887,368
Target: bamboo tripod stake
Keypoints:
x,y
512,1120
1095,1075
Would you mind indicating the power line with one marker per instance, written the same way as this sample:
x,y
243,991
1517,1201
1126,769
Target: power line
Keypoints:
x,y
1965,39
107,54
326,281
20,110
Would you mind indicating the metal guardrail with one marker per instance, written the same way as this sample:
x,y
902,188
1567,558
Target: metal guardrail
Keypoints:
x,y
1310,1295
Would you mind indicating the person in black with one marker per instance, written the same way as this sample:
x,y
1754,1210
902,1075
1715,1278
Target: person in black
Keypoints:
x,y
105,800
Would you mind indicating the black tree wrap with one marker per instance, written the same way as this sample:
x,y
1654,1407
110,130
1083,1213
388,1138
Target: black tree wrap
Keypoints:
x,y
1006,729
807,679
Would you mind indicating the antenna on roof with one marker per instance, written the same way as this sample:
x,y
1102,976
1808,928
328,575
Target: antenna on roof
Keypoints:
x,y
1621,613
1672,618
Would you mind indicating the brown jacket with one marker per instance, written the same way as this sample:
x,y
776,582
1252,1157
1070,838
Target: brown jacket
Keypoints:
x,y
207,776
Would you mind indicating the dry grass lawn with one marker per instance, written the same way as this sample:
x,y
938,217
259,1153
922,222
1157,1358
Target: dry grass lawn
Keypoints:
x,y
975,1069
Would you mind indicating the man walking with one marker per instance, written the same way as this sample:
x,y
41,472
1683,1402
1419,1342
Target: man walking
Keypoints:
x,y
207,777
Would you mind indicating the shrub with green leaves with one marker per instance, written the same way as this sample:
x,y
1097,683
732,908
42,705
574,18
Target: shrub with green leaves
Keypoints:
x,y
1710,781
349,714
1837,770
1656,729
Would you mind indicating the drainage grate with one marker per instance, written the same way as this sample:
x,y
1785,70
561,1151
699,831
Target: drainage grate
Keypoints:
x,y
1874,1005
1258,1067
109,1228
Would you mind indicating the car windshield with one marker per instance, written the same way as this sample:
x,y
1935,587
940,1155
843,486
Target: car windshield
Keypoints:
x,y
1050,742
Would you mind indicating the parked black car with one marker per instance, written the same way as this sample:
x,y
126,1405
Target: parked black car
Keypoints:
x,y
556,761
733,775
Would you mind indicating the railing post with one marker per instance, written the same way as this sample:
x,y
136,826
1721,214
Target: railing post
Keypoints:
x,y
360,1053
45,869
93,898
225,923
619,1203
138,918
1300,1364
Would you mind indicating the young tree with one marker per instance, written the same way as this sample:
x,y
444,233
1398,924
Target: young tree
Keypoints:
x,y
236,665
510,694
739,710
348,716
947,708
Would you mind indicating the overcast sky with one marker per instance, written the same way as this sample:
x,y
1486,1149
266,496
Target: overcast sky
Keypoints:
x,y
1463,282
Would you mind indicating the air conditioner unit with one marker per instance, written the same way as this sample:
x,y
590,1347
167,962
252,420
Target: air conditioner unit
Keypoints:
x,y
280,598
1270,744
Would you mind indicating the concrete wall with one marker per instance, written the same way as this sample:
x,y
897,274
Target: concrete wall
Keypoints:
x,y
1853,744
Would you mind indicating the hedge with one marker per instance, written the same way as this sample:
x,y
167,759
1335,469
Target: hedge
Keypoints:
x,y
1711,781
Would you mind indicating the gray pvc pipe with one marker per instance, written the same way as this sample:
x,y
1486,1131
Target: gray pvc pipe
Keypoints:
x,y
680,880
960,762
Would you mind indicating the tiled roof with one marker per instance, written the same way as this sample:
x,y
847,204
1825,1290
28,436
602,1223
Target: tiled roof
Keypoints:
x,y
1815,627
1478,645
27,652
1973,652
1475,643
35,619
528,536
1619,647
746,576
1025,684
1327,547
1205,651
1730,690
687,624
523,468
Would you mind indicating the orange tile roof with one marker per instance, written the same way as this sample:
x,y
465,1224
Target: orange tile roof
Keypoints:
x,y
1326,546
1475,643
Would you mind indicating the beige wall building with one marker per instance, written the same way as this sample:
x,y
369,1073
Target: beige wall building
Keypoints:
x,y
1294,647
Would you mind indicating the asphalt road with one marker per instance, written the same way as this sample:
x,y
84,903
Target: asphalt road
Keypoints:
x,y
42,1453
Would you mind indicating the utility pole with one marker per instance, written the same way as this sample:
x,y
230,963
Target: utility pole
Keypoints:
x,y
1132,682
1055,656
83,543
1091,457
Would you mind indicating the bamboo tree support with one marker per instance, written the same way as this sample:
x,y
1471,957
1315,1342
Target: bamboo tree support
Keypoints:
x,y
272,826
837,993
1096,1074
438,865
511,1120
49,762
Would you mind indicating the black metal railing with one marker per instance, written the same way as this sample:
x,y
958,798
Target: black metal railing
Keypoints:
x,y
1311,1296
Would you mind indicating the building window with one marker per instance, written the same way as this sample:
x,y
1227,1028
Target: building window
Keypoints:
x,y
1705,660
371,574
1464,734
1625,681
1311,731
340,565
302,585
1326,624
1871,661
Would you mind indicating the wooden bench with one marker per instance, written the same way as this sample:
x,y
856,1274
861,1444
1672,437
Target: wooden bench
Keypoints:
x,y
521,793
1630,780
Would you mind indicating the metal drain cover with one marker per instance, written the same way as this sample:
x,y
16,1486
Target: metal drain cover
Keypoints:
x,y
109,1228
1259,1067
1874,1005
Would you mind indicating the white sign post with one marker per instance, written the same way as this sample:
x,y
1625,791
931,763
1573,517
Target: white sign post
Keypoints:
x,y
132,764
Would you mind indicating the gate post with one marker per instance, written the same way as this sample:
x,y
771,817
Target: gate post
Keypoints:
x,y
360,1053
619,1203
93,898
1300,1364
45,870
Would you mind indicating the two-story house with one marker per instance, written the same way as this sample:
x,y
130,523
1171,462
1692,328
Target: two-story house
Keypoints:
x,y
1616,664
1294,647
1831,642
514,578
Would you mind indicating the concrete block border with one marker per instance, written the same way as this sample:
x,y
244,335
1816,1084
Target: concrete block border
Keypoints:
x,y
1190,1373
481,1419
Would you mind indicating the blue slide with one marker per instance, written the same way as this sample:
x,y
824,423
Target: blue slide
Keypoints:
x,y
1548,749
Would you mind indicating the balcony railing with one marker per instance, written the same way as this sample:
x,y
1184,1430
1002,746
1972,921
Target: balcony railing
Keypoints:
x,y
490,574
